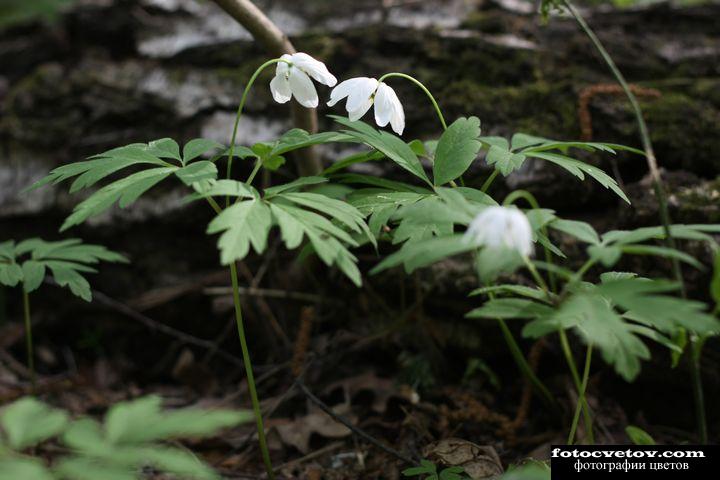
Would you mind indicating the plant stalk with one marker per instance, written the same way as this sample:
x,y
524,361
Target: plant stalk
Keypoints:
x,y
581,395
231,150
249,373
28,338
587,419
423,88
696,345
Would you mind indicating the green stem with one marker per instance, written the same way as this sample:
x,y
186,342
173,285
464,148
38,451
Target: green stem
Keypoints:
x,y
231,150
581,395
423,88
489,181
576,379
657,185
696,345
523,364
530,198
249,372
254,172
28,337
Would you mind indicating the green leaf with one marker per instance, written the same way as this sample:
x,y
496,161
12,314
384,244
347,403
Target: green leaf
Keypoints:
x,y
593,318
28,422
197,172
294,185
715,283
578,168
520,290
456,150
608,256
639,436
426,252
81,468
23,469
10,274
664,252
504,160
124,191
391,146
33,275
510,308
243,224
580,230
198,146
164,148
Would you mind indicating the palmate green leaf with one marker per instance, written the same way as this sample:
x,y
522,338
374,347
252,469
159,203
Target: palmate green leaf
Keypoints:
x,y
646,301
607,255
593,318
508,308
581,230
197,147
324,221
20,468
380,205
143,420
579,169
10,274
28,422
353,159
678,231
67,260
426,252
391,146
243,224
83,468
157,160
504,160
511,289
456,150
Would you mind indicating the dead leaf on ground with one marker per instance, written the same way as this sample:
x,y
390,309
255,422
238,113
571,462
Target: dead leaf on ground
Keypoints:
x,y
297,432
383,390
479,462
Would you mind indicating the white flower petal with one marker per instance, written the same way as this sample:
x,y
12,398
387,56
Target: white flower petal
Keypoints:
x,y
282,68
280,89
383,105
503,227
302,88
361,110
315,68
362,90
343,90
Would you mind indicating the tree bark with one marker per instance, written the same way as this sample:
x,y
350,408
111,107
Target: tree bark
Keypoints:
x,y
276,43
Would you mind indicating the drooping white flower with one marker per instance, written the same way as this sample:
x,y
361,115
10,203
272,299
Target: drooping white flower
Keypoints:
x,y
361,93
293,79
501,227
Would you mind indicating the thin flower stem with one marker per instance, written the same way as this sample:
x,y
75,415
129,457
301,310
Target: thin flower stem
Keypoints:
x,y
659,192
522,363
489,181
231,150
423,88
581,396
536,276
696,345
28,337
249,373
530,198
576,379
254,172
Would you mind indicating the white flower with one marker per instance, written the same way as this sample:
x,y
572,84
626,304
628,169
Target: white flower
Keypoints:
x,y
294,79
501,227
361,93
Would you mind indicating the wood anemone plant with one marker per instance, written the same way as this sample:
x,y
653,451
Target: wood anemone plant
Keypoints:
x,y
67,261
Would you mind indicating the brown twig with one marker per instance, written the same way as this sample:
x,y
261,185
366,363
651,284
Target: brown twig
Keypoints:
x,y
302,341
357,431
588,93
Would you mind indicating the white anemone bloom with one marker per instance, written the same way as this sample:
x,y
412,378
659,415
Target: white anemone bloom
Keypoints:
x,y
501,227
293,79
361,93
